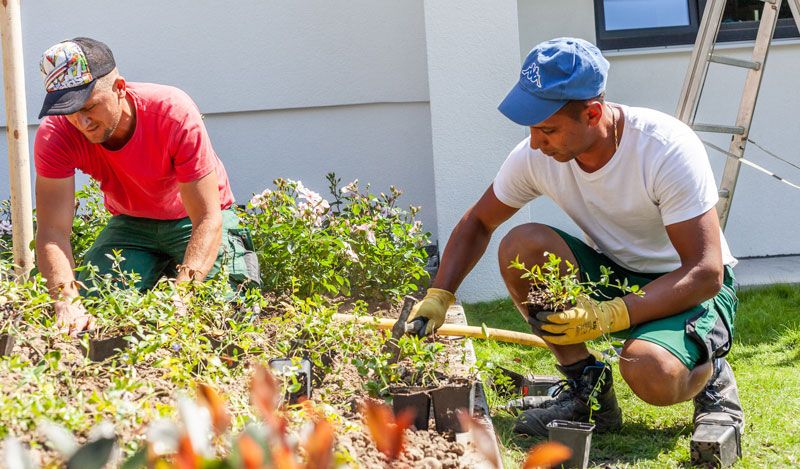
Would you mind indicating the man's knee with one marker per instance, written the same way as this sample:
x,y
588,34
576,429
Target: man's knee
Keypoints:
x,y
524,240
653,373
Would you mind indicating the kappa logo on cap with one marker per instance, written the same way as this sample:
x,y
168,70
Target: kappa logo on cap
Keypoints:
x,y
65,66
531,72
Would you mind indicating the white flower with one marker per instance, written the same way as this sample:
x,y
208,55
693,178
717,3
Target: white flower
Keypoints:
x,y
309,195
314,213
367,229
5,227
260,200
388,212
350,189
415,228
256,201
348,251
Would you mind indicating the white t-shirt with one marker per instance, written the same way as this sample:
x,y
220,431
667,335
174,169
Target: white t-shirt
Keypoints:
x,y
660,175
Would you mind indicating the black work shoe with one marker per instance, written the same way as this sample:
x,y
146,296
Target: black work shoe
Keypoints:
x,y
718,406
572,402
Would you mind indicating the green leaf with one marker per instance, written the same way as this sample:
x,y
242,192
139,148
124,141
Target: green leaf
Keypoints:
x,y
137,460
93,455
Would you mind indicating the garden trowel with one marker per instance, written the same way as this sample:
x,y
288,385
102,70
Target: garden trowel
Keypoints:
x,y
398,329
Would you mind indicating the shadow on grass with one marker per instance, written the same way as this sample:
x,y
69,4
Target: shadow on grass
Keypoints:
x,y
635,442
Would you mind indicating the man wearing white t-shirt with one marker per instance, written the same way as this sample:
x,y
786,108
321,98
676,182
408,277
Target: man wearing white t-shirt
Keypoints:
x,y
639,185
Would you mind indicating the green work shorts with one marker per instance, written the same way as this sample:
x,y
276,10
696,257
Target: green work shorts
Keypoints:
x,y
153,248
694,336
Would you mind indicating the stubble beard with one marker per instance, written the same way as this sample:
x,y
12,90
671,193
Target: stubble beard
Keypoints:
x,y
110,130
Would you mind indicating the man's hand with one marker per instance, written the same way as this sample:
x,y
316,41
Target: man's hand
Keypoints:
x,y
433,307
586,321
71,317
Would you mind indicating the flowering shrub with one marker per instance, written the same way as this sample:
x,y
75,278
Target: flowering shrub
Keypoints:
x,y
357,242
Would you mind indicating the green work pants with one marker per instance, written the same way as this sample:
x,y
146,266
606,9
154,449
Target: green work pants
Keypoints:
x,y
153,248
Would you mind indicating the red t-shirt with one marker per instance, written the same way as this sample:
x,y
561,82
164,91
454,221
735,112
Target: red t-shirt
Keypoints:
x,y
169,145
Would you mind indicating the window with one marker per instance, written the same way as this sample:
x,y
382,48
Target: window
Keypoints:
x,y
623,24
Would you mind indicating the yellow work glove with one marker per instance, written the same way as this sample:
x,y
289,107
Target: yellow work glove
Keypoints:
x,y
433,307
586,321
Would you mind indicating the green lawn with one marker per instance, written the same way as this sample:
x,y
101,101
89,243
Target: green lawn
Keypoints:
x,y
765,358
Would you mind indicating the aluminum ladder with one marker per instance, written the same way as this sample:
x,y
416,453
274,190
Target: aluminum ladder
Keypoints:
x,y
702,55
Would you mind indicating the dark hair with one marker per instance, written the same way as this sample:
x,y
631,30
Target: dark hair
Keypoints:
x,y
574,108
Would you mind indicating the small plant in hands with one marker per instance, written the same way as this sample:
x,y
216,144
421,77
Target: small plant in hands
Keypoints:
x,y
553,291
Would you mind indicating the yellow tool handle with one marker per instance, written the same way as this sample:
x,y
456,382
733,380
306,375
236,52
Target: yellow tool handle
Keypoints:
x,y
457,330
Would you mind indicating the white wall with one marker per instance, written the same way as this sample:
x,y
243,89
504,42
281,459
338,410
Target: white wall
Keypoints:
x,y
297,89
472,63
383,144
289,89
763,218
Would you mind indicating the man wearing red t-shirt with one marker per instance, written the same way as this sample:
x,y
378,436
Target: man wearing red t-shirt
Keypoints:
x,y
163,183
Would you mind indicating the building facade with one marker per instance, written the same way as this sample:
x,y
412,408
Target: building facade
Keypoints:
x,y
405,92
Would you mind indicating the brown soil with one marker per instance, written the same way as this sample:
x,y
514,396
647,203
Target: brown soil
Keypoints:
x,y
75,377
539,300
422,449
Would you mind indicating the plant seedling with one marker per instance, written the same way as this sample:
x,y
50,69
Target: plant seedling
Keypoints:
x,y
296,375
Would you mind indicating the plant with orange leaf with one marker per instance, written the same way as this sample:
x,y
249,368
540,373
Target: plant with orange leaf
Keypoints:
x,y
190,443
546,455
386,429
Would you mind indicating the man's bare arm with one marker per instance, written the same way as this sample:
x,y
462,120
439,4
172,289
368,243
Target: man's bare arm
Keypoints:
x,y
55,209
469,239
201,199
699,278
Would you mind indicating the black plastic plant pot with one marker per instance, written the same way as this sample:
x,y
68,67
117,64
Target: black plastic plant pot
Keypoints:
x,y
447,399
327,359
577,436
102,349
416,398
301,370
7,342
539,385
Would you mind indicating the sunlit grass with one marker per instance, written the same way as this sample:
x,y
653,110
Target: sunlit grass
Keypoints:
x,y
765,358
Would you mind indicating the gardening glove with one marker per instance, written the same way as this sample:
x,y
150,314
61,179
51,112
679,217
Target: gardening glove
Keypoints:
x,y
433,308
586,321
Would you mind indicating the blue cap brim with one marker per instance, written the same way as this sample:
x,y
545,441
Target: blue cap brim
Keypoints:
x,y
526,109
57,103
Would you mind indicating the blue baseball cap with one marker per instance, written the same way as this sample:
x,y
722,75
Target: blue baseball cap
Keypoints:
x,y
555,72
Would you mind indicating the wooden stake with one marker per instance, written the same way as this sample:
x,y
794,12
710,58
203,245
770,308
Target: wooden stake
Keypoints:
x,y
17,136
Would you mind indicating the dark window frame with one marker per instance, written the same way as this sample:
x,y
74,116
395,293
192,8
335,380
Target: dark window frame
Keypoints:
x,y
680,35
